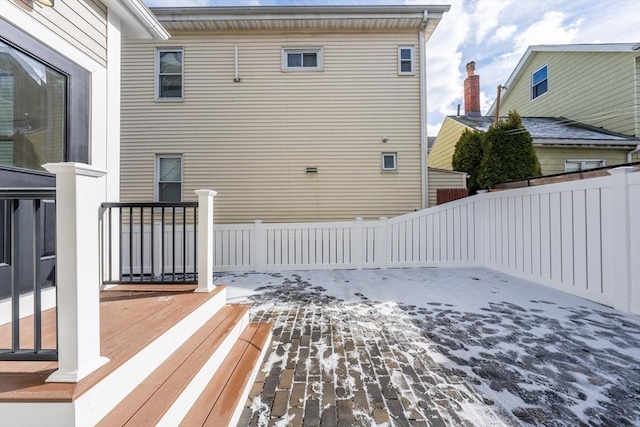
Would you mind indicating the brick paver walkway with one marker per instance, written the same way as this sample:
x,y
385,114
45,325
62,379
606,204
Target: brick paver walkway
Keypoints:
x,y
344,364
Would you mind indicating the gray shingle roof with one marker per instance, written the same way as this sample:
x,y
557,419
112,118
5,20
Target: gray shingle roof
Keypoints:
x,y
552,129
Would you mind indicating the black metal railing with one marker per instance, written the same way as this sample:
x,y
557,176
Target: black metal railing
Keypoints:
x,y
27,266
155,242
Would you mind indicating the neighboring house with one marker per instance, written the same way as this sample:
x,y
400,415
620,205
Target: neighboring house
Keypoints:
x,y
444,179
561,145
289,113
596,84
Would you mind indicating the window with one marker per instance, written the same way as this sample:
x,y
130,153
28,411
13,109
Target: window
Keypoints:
x,y
169,70
389,162
405,60
581,165
539,83
169,178
302,59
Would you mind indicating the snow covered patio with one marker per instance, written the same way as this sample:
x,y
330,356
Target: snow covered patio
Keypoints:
x,y
436,346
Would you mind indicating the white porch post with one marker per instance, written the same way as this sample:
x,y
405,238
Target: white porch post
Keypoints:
x,y
621,235
205,240
79,192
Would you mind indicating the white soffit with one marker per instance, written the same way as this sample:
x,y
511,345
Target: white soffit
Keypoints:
x,y
364,18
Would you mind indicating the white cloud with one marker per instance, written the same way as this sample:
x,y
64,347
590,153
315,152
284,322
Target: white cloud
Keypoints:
x,y
486,17
504,33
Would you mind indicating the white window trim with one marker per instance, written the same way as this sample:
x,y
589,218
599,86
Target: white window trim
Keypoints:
x,y
531,83
156,74
156,174
317,50
582,161
413,62
395,162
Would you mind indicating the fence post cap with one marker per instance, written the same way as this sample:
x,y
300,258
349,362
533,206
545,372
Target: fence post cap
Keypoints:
x,y
482,191
358,219
258,221
383,218
206,192
623,170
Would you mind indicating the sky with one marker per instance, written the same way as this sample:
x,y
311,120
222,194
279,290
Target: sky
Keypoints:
x,y
493,33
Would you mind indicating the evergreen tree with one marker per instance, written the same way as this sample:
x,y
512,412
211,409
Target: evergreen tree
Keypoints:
x,y
467,157
503,153
508,153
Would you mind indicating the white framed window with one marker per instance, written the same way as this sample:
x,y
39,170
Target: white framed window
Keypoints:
x,y
539,82
169,178
574,165
389,161
405,60
302,59
169,83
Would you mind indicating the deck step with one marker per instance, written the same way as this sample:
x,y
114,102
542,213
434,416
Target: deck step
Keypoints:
x,y
222,400
149,402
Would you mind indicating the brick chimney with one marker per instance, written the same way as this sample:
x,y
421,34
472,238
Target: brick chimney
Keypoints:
x,y
472,91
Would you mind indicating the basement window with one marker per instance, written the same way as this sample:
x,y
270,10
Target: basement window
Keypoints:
x,y
539,83
581,165
302,59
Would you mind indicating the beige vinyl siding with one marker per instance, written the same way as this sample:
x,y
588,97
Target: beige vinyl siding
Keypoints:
x,y
444,146
252,141
439,178
596,88
552,159
82,23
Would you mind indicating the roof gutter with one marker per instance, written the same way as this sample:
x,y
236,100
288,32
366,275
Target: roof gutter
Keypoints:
x,y
423,111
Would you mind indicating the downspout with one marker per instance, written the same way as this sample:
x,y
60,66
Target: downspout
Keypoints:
x,y
631,153
423,111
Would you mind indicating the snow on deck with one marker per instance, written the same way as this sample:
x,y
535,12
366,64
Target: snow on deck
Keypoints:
x,y
436,346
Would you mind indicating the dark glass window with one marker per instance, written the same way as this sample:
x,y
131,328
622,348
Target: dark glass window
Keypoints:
x,y
169,178
33,108
539,82
169,74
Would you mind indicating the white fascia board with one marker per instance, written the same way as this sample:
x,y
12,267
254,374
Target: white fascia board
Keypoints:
x,y
138,21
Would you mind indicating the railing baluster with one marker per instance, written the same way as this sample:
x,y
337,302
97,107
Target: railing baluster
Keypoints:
x,y
173,241
141,242
152,246
184,244
37,272
195,245
110,245
131,244
121,244
162,248
15,292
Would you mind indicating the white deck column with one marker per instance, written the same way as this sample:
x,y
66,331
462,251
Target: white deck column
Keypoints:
x,y
205,240
79,193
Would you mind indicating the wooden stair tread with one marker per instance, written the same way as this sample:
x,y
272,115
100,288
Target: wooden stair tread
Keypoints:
x,y
129,322
149,401
220,398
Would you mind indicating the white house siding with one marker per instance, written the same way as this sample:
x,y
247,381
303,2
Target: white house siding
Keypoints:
x,y
596,88
83,23
439,178
252,141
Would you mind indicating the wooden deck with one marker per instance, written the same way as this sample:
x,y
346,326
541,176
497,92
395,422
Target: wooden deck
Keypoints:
x,y
129,320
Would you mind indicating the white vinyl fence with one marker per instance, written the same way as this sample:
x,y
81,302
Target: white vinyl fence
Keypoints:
x,y
582,237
